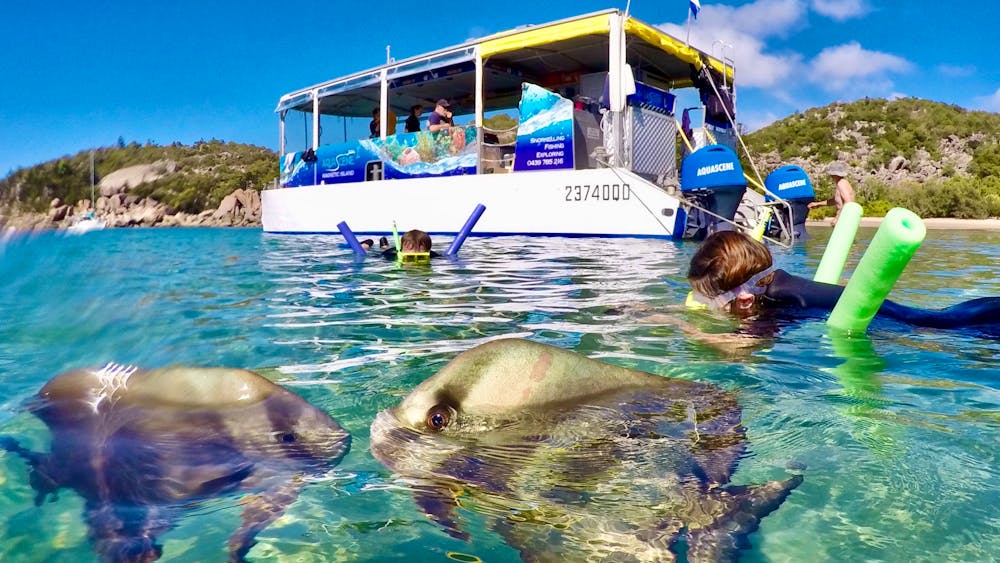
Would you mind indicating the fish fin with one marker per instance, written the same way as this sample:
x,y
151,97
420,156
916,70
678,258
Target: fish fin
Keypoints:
x,y
38,472
229,480
13,446
259,510
126,532
744,507
439,505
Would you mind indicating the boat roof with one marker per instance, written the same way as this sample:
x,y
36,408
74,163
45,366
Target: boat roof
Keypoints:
x,y
551,53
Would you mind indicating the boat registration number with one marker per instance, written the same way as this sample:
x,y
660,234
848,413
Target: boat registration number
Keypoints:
x,y
598,192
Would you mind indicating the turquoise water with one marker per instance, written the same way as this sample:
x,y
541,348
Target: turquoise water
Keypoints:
x,y
899,444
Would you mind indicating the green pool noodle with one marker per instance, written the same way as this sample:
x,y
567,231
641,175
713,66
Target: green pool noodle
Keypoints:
x,y
831,266
894,244
866,402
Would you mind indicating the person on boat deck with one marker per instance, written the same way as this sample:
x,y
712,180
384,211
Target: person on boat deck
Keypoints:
x,y
843,192
413,121
440,118
733,273
412,242
375,125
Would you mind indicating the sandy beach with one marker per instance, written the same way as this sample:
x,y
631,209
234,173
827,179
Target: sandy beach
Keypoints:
x,y
931,223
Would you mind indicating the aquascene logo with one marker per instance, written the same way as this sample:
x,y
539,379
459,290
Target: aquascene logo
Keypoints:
x,y
790,185
712,169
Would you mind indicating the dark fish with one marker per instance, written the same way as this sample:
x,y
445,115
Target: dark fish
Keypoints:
x,y
575,459
140,446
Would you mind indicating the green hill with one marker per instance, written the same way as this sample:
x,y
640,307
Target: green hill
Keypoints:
x,y
936,159
196,177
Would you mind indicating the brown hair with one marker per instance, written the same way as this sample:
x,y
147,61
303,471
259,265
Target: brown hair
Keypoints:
x,y
415,241
724,261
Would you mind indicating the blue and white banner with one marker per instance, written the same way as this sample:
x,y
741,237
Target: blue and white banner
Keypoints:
x,y
545,133
695,8
403,155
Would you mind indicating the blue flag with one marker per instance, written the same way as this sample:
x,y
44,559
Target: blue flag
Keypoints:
x,y
695,7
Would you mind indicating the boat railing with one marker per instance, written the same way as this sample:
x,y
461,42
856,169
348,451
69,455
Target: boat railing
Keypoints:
x,y
750,205
753,212
496,149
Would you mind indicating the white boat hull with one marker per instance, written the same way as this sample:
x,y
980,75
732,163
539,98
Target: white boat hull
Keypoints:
x,y
602,203
85,226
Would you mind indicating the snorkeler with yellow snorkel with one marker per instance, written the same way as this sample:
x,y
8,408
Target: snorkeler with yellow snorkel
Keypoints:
x,y
414,246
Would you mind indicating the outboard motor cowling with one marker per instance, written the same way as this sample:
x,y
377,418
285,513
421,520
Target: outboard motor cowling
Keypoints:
x,y
792,184
712,178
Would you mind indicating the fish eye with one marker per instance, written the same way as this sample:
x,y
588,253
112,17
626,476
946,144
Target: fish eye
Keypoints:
x,y
288,437
438,418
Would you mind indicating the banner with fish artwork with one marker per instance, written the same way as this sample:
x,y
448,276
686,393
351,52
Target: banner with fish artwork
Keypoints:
x,y
405,155
337,163
545,133
423,154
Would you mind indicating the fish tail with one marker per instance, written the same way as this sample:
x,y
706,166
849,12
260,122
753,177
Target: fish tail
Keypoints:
x,y
121,548
122,534
744,509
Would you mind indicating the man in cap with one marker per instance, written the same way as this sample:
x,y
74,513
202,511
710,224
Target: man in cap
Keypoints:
x,y
843,192
440,118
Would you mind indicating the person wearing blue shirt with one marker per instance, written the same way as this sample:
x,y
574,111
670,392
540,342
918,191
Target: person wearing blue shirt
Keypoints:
x,y
440,118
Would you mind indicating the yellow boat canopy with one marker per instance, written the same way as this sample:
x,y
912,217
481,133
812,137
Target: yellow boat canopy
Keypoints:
x,y
550,53
600,25
545,35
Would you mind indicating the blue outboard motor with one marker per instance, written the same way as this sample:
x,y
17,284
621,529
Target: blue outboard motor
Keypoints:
x,y
790,183
712,177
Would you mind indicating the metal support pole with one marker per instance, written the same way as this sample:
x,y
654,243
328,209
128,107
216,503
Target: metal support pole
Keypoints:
x,y
315,97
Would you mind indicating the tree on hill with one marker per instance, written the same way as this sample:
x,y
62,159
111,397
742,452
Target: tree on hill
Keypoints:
x,y
937,159
205,173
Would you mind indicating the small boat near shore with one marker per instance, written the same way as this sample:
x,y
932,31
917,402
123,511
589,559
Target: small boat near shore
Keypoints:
x,y
594,151
86,223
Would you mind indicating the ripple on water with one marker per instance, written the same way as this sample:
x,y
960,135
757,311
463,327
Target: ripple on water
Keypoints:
x,y
896,441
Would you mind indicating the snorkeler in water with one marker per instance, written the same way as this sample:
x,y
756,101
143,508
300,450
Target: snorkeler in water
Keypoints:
x,y
415,246
732,272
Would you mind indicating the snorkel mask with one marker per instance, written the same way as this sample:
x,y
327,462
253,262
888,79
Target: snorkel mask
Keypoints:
x,y
750,286
413,257
407,257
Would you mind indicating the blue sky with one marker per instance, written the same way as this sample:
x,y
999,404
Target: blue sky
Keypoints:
x,y
77,75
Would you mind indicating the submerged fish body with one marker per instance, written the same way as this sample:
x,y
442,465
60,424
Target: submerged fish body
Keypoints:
x,y
139,446
575,459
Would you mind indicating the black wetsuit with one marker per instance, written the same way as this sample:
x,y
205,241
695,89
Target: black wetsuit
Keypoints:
x,y
792,292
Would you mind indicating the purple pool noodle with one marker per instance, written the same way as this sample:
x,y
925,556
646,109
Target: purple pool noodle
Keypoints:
x,y
351,239
466,229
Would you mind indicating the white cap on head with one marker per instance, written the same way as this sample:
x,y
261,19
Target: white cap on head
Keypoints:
x,y
837,168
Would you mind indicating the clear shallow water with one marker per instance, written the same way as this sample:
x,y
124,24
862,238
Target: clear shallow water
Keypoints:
x,y
900,444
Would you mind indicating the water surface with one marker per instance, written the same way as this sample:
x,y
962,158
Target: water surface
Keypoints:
x,y
897,433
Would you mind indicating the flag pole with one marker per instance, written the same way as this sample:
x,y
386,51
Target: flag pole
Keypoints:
x,y
687,42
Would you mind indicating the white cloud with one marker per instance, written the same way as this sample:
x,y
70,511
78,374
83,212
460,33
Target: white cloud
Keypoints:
x,y
760,19
756,122
841,10
476,32
956,71
989,103
769,65
851,68
745,28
